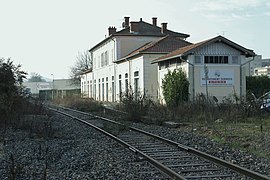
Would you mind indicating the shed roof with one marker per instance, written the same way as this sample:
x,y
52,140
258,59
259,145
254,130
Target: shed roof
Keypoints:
x,y
184,51
163,45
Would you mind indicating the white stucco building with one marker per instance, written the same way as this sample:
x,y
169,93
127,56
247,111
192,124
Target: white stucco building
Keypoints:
x,y
213,67
140,55
113,68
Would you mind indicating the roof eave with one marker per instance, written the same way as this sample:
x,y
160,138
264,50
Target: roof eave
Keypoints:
x,y
134,55
165,59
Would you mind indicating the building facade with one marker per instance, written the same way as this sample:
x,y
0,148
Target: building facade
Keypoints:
x,y
110,75
213,67
140,55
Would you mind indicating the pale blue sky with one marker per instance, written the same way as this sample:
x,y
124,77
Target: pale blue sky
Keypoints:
x,y
45,36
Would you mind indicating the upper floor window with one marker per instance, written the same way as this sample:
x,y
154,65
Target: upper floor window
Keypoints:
x,y
136,73
216,59
198,60
104,59
235,60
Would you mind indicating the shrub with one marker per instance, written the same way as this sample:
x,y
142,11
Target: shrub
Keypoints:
x,y
136,104
175,87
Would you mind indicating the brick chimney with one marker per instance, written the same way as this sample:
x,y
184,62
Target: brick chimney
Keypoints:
x,y
112,30
134,27
154,20
163,28
126,23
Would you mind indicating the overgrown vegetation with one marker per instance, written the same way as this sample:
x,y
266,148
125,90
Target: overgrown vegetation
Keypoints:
x,y
258,85
11,78
136,104
21,114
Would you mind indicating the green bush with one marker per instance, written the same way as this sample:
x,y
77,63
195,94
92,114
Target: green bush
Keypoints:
x,y
175,87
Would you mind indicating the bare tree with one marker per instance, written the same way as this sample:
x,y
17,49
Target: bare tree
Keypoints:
x,y
35,77
83,63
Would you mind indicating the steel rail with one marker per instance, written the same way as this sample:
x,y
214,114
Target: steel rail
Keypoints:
x,y
234,167
157,164
209,157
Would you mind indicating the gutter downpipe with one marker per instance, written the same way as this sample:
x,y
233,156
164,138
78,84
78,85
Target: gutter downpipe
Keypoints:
x,y
193,73
241,74
114,69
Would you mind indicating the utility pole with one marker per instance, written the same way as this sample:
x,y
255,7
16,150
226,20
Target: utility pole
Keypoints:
x,y
206,78
52,85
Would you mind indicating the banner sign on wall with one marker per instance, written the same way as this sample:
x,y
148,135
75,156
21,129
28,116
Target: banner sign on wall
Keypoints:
x,y
217,77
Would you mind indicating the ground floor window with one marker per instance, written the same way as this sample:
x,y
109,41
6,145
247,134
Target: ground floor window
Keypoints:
x,y
113,92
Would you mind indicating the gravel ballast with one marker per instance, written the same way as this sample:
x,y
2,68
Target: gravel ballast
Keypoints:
x,y
204,144
72,150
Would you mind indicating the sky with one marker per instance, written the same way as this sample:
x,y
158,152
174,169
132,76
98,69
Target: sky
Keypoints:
x,y
45,36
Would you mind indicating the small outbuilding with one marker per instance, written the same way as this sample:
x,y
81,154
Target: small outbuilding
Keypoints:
x,y
214,67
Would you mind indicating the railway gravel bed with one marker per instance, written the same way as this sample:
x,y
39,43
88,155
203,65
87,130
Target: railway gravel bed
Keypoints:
x,y
74,152
78,152
239,157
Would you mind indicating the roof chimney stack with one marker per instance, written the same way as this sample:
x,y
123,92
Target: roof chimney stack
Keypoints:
x,y
126,23
154,21
112,30
163,28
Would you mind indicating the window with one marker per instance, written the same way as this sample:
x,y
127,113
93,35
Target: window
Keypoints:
x,y
136,86
102,59
197,59
136,73
107,91
167,64
120,89
90,93
216,59
136,83
235,60
112,91
95,90
103,92
106,58
126,84
161,65
99,91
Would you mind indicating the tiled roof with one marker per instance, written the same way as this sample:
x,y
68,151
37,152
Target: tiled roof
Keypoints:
x,y
147,29
191,48
163,45
144,29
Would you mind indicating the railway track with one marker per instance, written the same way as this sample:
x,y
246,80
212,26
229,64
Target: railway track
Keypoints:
x,y
170,159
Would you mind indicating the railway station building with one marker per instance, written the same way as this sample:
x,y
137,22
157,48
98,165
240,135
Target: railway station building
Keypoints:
x,y
124,58
139,56
214,67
